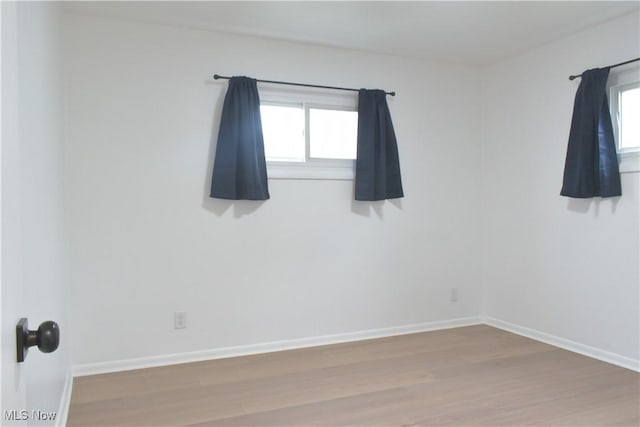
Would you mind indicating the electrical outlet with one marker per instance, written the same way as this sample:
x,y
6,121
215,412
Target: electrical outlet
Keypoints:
x,y
453,294
180,320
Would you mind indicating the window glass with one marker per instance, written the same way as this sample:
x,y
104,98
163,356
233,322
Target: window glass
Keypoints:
x,y
309,134
629,121
332,133
283,132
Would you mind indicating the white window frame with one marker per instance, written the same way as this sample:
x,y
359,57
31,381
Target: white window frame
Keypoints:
x,y
619,81
323,169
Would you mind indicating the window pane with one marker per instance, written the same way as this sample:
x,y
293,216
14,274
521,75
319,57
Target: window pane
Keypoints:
x,y
333,134
629,122
283,132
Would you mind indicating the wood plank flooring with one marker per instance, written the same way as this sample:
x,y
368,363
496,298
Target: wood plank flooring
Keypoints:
x,y
472,376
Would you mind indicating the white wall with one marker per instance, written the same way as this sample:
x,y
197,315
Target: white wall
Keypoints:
x,y
146,240
569,268
34,280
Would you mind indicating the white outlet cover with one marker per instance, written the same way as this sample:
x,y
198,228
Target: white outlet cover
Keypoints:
x,y
180,320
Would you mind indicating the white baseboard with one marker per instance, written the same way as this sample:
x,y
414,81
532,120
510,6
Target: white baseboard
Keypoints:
x,y
65,400
593,352
244,350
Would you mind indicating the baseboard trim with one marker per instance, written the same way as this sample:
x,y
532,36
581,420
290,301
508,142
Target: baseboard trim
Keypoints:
x,y
65,400
593,352
245,350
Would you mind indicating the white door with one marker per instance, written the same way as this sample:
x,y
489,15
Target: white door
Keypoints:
x,y
33,282
13,392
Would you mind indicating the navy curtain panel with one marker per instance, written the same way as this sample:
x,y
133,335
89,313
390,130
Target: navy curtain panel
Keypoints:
x,y
591,166
239,169
377,163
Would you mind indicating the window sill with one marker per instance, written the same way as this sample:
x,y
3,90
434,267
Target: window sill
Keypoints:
x,y
321,171
629,162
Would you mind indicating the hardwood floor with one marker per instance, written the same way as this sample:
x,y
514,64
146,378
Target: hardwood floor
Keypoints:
x,y
472,376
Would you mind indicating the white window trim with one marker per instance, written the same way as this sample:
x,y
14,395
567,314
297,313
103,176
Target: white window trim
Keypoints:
x,y
311,170
629,159
321,169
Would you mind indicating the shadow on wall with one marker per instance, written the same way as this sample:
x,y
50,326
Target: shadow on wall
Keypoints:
x,y
365,208
584,205
245,207
240,207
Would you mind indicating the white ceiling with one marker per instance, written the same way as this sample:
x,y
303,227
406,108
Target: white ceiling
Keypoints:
x,y
469,32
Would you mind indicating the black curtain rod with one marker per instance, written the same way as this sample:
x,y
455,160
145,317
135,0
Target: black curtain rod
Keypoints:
x,y
610,66
217,76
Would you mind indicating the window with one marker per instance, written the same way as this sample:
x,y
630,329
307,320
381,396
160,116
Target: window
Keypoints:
x,y
283,132
625,113
624,101
309,135
332,134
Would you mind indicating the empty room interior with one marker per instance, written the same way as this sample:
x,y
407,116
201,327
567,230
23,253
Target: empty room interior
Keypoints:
x,y
320,213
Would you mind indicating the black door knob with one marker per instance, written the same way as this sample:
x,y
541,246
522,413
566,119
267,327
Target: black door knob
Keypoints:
x,y
47,337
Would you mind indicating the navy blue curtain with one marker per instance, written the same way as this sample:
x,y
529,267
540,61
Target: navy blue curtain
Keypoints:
x,y
377,163
591,166
240,170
